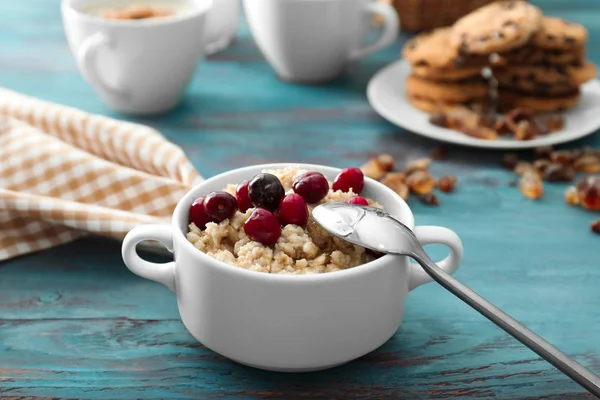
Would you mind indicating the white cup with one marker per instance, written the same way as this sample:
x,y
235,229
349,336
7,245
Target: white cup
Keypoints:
x,y
310,41
288,323
136,66
222,25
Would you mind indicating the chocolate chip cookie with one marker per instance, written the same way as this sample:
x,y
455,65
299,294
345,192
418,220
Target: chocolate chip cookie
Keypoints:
x,y
554,74
533,55
538,104
460,91
432,49
557,33
531,87
498,26
432,106
447,74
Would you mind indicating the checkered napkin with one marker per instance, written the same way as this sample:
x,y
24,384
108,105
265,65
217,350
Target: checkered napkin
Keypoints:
x,y
65,173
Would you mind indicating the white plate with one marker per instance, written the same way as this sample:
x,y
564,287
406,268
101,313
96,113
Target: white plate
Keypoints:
x,y
386,93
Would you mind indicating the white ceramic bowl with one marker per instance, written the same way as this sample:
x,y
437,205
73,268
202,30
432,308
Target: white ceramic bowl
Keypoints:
x,y
287,322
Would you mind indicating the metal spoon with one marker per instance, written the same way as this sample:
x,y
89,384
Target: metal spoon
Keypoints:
x,y
377,230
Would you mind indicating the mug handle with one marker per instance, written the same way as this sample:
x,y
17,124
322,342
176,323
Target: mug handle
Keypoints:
x,y
433,235
87,58
160,272
389,30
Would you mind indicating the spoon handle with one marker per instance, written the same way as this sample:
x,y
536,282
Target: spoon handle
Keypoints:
x,y
564,363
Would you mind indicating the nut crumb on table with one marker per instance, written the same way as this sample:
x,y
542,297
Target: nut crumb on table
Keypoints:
x,y
553,166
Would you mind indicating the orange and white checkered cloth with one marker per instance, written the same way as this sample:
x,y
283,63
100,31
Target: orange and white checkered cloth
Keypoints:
x,y
65,173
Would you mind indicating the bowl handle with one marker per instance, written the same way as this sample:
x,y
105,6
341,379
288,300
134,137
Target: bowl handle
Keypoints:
x,y
433,235
160,272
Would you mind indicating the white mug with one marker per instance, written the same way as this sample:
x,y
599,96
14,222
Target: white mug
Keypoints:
x,y
310,41
222,25
288,323
136,66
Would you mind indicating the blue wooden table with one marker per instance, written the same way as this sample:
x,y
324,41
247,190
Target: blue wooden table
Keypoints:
x,y
75,323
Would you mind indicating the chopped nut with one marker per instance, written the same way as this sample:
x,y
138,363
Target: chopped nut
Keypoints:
x,y
555,123
438,153
429,198
419,163
519,114
522,167
446,183
395,181
377,167
527,130
589,192
590,151
541,165
595,226
479,132
571,196
588,164
558,173
439,119
420,181
561,156
543,152
501,126
510,161
531,185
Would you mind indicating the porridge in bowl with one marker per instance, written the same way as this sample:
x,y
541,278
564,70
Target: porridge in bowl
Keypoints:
x,y
264,224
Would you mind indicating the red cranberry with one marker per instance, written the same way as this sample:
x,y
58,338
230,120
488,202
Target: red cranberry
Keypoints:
x,y
198,213
241,194
312,186
263,226
358,200
266,191
349,178
220,205
293,210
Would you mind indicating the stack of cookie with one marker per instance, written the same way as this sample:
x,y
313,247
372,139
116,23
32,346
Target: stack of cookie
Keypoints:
x,y
441,75
547,72
537,62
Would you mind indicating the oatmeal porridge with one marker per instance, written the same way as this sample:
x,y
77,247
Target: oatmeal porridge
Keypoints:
x,y
264,224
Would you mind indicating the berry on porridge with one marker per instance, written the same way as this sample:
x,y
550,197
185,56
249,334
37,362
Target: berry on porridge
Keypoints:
x,y
278,238
262,226
293,210
312,186
242,197
220,206
198,214
358,200
349,179
266,191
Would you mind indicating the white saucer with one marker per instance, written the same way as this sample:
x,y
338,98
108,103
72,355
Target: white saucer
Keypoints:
x,y
386,94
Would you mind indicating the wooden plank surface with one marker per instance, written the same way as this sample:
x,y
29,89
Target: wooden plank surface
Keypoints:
x,y
75,323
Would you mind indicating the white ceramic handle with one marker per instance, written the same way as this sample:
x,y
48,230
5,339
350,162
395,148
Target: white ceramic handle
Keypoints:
x,y
162,273
87,58
433,235
389,30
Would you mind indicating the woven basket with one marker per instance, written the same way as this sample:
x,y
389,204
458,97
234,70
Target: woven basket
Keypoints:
x,y
420,15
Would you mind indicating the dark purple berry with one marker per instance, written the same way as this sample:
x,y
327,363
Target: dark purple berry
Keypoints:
x,y
266,191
